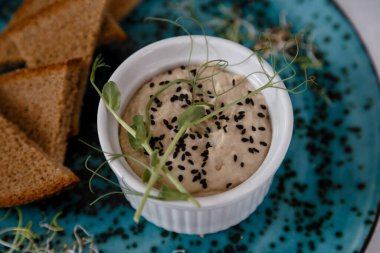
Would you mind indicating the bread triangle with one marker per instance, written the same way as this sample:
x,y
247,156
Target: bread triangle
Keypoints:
x,y
26,173
41,102
60,32
110,30
66,30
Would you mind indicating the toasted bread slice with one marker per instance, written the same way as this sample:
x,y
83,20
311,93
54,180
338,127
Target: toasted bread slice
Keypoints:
x,y
66,30
9,55
26,173
110,30
41,102
120,9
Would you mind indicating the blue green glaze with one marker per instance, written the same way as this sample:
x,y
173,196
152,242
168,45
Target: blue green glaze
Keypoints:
x,y
325,196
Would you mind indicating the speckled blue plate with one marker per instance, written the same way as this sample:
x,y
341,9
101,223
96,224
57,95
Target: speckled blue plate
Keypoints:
x,y
324,198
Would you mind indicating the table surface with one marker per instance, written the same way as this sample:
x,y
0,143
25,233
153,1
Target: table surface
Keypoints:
x,y
364,16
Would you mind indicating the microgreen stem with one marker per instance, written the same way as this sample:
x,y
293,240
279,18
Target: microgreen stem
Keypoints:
x,y
152,180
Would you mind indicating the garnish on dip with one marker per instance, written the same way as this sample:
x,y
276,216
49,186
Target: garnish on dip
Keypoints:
x,y
217,154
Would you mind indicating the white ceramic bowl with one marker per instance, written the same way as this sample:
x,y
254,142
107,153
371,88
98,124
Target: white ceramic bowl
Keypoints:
x,y
220,211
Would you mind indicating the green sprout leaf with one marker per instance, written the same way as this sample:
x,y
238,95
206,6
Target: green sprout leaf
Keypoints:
x,y
190,115
168,193
111,95
141,134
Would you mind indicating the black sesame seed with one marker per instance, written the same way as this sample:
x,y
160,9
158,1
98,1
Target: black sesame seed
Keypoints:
x,y
180,178
151,84
183,67
194,147
204,184
253,128
181,167
153,109
170,168
253,150
243,131
228,185
250,139
187,153
244,139
261,115
204,172
242,164
263,143
208,145
193,71
174,119
263,107
191,161
240,103
203,164
235,158
166,122
192,136
179,88
240,127
169,72
233,82
225,128
204,153
168,163
222,117
173,98
194,171
262,128
183,157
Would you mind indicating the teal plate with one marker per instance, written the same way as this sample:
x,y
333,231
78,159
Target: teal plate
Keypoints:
x,y
324,198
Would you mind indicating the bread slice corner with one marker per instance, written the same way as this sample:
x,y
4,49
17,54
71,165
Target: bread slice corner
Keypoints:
x,y
27,174
41,102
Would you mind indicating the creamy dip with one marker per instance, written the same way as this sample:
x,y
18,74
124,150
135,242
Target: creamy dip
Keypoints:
x,y
217,154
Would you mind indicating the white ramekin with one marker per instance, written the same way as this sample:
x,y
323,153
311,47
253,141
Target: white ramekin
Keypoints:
x,y
220,211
